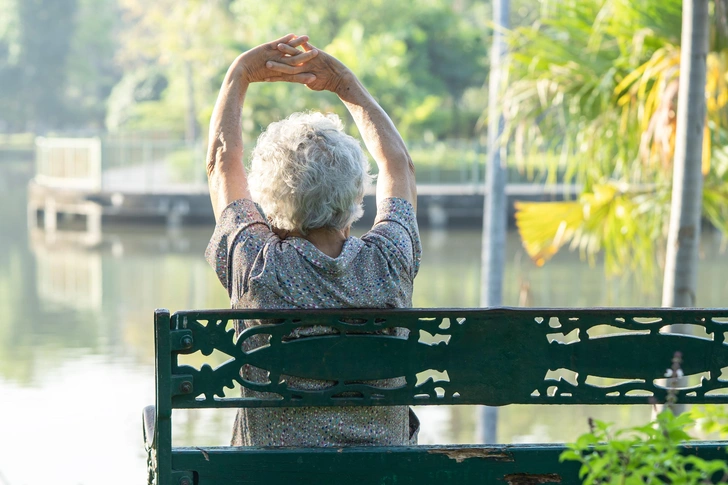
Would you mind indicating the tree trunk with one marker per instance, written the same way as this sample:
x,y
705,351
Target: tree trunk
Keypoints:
x,y
681,265
495,210
679,285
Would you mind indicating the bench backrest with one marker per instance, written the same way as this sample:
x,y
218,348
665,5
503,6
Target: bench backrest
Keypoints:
x,y
491,356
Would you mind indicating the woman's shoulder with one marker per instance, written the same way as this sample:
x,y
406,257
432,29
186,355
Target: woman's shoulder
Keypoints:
x,y
395,233
240,234
396,209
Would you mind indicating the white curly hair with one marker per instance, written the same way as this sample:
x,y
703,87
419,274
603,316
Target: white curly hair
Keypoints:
x,y
306,173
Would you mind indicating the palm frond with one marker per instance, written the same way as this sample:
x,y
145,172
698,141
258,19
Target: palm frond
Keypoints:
x,y
621,221
596,81
546,226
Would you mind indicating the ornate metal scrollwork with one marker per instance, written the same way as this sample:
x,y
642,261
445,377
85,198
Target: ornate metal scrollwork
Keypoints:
x,y
493,356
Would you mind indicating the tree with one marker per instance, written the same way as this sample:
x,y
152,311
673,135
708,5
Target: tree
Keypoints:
x,y
681,266
596,82
445,50
56,63
420,58
35,40
190,42
90,69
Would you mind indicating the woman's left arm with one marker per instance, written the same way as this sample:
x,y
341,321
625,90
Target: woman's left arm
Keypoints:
x,y
225,173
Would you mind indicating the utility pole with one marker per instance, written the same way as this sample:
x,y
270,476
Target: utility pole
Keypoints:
x,y
495,209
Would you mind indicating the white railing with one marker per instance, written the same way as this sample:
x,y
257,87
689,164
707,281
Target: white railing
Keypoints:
x,y
124,165
163,165
68,162
153,166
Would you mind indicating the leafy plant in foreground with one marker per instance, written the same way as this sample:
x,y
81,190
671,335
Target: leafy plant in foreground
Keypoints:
x,y
649,454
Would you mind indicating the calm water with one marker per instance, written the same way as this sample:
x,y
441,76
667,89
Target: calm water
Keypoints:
x,y
76,344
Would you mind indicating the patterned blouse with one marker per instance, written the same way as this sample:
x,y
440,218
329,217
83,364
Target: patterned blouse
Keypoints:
x,y
260,270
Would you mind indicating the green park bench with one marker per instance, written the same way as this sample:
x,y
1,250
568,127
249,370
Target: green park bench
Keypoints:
x,y
493,356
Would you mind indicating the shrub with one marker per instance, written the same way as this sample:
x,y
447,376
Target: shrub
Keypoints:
x,y
649,454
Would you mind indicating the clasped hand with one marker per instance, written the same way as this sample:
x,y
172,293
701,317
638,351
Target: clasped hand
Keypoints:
x,y
282,60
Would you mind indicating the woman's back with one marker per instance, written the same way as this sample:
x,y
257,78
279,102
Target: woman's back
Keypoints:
x,y
260,270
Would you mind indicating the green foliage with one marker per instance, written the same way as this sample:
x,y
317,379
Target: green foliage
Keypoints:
x,y
711,419
32,70
91,68
565,70
426,61
135,88
715,184
648,454
595,81
185,166
56,63
418,58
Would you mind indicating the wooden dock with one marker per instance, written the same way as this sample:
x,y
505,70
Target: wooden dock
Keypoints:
x,y
71,184
438,205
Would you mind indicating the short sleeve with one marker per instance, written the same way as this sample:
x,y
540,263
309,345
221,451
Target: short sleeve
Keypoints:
x,y
396,233
241,229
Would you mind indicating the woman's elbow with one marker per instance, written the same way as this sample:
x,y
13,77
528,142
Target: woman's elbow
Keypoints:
x,y
410,165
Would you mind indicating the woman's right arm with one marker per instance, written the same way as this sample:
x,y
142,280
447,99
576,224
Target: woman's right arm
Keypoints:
x,y
396,171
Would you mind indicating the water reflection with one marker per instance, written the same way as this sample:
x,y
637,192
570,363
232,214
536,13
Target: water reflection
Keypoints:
x,y
76,351
69,278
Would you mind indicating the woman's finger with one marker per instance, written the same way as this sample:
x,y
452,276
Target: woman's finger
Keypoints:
x,y
285,68
307,46
283,40
287,49
301,58
297,41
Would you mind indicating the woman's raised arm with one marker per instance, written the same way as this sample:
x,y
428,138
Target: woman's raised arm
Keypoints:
x,y
225,172
396,170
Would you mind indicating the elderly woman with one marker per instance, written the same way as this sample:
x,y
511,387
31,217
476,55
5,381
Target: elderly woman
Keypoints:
x,y
309,178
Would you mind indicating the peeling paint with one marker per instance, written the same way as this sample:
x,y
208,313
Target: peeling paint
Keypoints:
x,y
205,454
462,454
531,478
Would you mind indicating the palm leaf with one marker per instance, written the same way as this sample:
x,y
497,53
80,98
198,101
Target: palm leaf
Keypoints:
x,y
613,218
546,226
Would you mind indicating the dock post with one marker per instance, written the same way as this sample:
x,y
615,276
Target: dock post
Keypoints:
x,y
93,221
50,215
436,213
177,212
174,219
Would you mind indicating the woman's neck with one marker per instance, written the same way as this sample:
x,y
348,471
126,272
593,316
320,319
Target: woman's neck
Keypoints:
x,y
327,240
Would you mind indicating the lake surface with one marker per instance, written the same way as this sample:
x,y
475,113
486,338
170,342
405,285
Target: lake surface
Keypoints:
x,y
76,342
